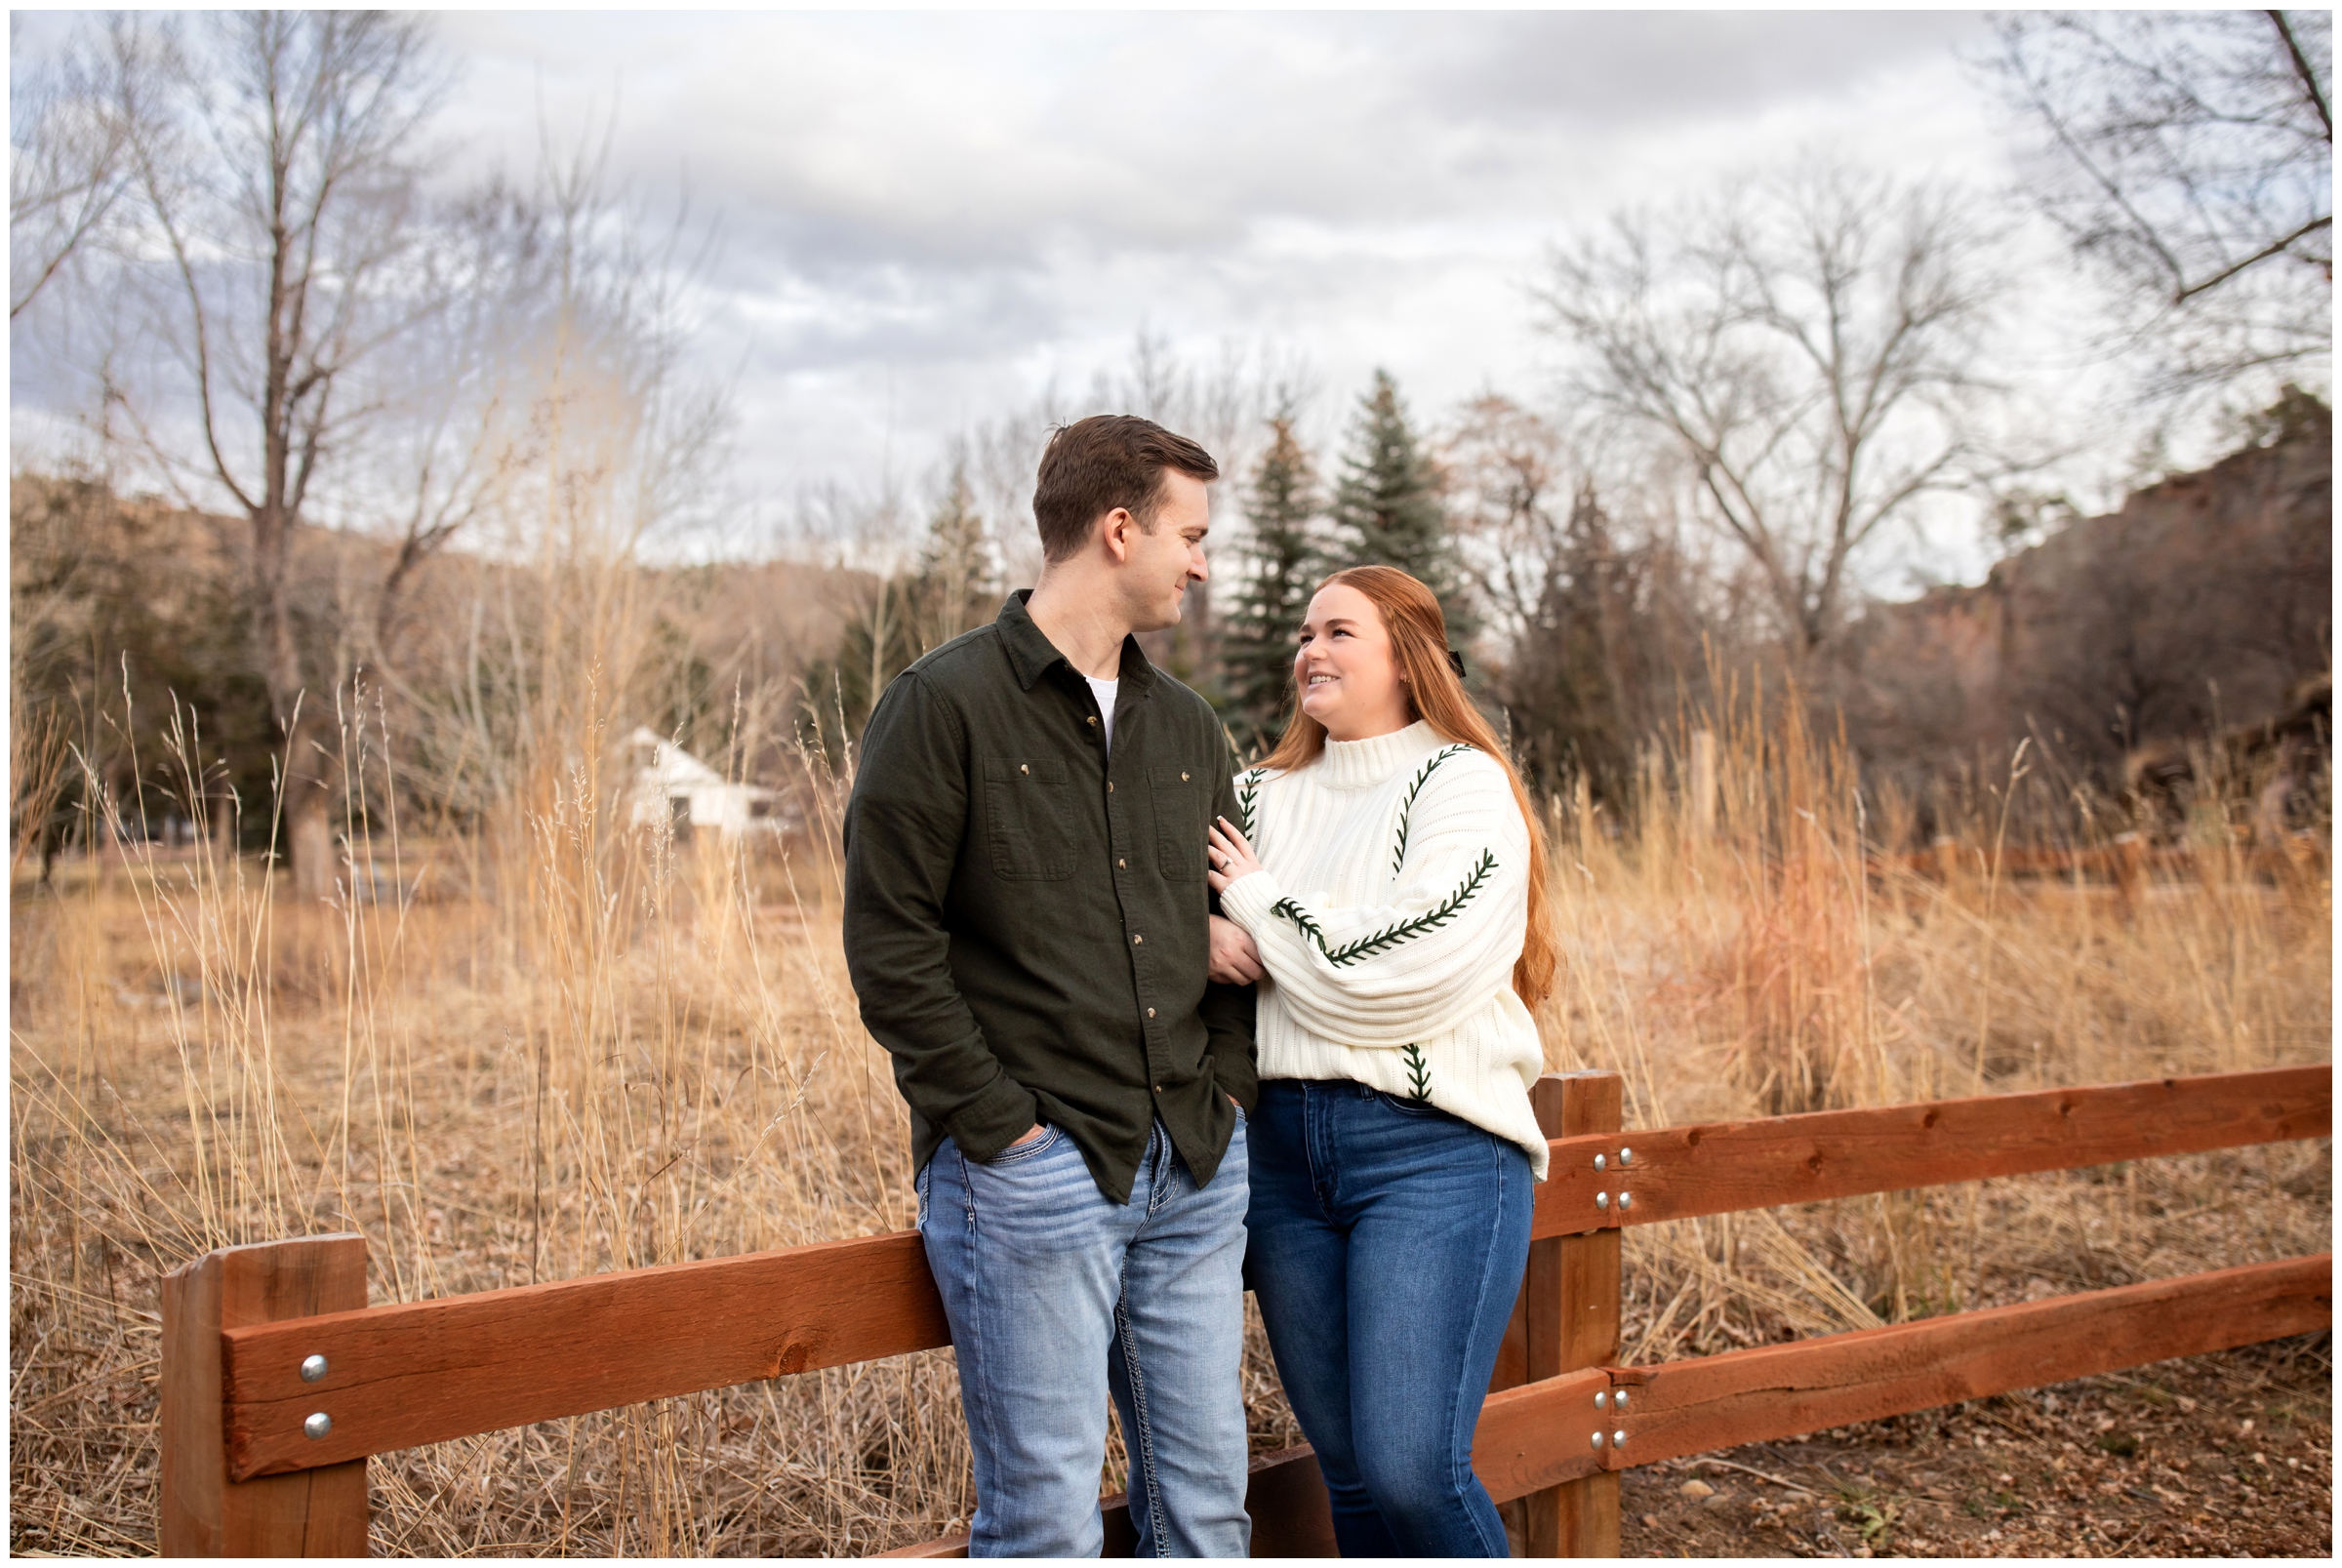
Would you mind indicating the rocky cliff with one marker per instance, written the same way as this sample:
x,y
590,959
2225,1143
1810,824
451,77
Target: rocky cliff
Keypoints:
x,y
2198,606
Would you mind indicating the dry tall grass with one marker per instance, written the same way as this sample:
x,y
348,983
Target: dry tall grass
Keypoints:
x,y
557,1045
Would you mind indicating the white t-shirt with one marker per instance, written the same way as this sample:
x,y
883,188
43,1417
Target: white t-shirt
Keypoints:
x,y
1106,690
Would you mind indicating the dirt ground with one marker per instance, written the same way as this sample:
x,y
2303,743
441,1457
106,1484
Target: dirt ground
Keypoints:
x,y
2221,1456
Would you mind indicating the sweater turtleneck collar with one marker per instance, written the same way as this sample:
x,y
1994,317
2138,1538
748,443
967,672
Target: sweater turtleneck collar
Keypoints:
x,y
1363,764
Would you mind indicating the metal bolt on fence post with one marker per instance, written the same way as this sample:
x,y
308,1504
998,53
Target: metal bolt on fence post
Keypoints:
x,y
1622,1398
1626,1201
313,1368
1600,1402
1598,1439
1599,1163
1618,1439
1626,1156
317,1426
1602,1200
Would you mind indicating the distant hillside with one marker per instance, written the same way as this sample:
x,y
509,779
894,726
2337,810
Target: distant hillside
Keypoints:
x,y
2196,606
108,593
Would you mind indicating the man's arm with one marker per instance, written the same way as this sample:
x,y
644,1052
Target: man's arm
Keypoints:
x,y
903,828
1228,1010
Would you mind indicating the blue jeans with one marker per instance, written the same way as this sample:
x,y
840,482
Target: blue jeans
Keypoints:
x,y
1059,1296
1387,1245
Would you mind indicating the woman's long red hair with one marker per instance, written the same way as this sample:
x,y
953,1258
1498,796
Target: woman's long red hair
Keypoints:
x,y
1410,613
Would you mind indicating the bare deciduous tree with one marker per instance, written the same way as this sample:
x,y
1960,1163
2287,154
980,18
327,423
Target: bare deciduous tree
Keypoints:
x,y
275,176
68,135
2190,154
1812,346
1507,469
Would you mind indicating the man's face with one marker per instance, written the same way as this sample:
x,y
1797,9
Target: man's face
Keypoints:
x,y
1158,565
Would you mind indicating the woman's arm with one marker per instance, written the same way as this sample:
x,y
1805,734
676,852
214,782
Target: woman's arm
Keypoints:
x,y
1394,974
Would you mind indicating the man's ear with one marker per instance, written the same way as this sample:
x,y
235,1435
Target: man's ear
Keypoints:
x,y
1117,530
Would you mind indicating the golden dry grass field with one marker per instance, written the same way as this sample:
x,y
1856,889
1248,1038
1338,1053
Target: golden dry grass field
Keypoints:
x,y
560,1046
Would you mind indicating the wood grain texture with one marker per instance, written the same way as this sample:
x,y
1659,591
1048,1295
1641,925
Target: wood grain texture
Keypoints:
x,y
318,1512
1781,1391
427,1371
1722,1167
1538,1435
1540,1295
1575,1281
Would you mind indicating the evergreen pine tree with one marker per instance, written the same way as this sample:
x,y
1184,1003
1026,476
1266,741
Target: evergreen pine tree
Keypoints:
x,y
955,586
1257,633
1387,507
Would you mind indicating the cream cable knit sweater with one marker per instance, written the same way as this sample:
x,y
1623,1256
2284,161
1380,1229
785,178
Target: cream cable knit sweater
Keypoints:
x,y
1390,905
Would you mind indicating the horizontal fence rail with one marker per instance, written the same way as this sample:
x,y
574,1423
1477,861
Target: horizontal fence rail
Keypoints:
x,y
266,1386
424,1372
1681,1173
1781,1391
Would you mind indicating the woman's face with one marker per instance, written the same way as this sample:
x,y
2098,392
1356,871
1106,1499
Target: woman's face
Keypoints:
x,y
1350,680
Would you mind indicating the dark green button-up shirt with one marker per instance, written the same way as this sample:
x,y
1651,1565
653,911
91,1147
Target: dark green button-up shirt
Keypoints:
x,y
1026,916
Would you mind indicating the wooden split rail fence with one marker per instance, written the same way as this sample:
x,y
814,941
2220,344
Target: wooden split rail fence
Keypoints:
x,y
278,1379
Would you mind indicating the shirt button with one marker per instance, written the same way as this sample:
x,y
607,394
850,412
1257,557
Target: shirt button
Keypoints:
x,y
1159,1088
1110,786
1150,1012
1137,941
1182,778
1024,766
1092,721
1123,865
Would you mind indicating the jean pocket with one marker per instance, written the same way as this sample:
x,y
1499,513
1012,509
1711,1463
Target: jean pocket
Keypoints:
x,y
1409,1106
1018,1153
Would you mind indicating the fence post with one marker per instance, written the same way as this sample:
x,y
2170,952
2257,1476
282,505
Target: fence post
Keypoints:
x,y
1572,1298
307,1514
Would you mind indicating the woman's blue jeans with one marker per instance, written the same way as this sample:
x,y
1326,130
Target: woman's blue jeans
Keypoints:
x,y
1388,1241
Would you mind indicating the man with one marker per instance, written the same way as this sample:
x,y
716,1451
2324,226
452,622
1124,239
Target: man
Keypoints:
x,y
1027,923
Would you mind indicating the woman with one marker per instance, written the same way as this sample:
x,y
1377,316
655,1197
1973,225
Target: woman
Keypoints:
x,y
1395,895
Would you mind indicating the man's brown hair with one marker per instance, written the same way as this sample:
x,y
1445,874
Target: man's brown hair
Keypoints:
x,y
1106,460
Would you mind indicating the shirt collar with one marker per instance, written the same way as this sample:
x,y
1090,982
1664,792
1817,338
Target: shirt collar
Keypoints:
x,y
1032,655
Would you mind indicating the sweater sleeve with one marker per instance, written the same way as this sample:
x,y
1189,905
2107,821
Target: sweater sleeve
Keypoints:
x,y
1393,973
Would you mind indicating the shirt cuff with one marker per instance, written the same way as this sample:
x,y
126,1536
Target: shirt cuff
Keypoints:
x,y
1249,899
1002,1113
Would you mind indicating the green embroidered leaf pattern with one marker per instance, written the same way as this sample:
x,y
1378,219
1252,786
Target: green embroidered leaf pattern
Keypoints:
x,y
1407,806
1391,936
1248,790
1301,920
1419,1073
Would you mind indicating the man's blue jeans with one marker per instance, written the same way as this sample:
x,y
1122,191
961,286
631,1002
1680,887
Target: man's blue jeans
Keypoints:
x,y
1057,1296
1388,1244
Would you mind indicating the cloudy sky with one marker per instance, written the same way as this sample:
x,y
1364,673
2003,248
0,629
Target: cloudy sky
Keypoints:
x,y
928,219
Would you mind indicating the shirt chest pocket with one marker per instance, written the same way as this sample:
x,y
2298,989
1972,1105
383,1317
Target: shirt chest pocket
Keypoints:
x,y
1027,806
1181,795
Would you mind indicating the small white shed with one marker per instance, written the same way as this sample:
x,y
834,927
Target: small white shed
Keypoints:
x,y
671,783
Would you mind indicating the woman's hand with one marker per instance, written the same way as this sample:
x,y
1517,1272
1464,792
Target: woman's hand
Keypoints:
x,y
1235,961
1231,858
